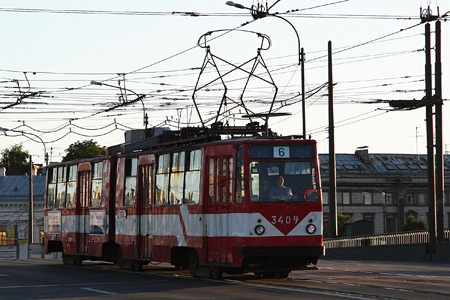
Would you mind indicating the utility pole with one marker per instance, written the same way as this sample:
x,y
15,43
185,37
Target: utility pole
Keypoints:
x,y
439,150
302,53
435,193
30,206
430,143
331,153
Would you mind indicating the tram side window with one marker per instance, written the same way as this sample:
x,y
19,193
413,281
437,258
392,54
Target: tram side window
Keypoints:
x,y
240,193
177,178
130,182
71,186
230,184
162,179
61,188
84,188
192,189
51,188
96,186
211,180
146,196
255,182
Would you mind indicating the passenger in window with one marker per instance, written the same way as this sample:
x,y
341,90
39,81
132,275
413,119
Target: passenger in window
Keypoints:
x,y
279,189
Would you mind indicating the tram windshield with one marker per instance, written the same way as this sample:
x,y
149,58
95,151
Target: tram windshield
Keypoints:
x,y
278,181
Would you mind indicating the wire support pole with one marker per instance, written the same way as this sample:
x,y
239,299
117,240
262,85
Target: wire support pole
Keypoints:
x,y
303,93
331,153
439,151
30,207
430,144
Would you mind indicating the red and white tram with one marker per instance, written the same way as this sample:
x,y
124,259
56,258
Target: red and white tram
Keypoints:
x,y
196,203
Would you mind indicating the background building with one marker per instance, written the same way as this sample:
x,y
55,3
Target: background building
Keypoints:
x,y
382,189
14,197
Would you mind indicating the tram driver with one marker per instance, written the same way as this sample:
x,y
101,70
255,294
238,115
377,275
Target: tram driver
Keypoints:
x,y
279,190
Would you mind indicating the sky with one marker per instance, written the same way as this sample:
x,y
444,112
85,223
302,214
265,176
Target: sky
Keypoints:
x,y
52,50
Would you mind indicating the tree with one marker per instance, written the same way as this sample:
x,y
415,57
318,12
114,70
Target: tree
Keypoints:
x,y
14,159
412,224
343,220
84,149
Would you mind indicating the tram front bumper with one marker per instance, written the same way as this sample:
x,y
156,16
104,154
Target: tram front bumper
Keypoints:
x,y
283,251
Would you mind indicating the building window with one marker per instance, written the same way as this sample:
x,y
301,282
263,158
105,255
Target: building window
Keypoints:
x,y
448,219
325,198
367,198
346,198
409,199
370,218
389,199
421,199
391,223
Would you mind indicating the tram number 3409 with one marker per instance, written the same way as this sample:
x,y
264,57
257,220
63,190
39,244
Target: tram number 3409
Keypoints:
x,y
284,220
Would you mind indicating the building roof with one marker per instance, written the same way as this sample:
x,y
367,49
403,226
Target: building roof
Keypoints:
x,y
364,164
16,187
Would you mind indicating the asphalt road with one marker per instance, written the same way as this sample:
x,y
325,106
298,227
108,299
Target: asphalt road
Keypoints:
x,y
44,279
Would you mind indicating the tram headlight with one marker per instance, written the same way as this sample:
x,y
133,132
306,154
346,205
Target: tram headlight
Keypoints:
x,y
311,228
259,230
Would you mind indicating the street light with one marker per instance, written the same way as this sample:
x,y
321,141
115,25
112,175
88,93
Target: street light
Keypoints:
x,y
139,97
259,12
25,135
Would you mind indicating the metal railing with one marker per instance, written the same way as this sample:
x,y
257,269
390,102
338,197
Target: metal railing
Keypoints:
x,y
412,237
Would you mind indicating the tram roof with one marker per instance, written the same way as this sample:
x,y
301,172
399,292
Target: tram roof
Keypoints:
x,y
189,136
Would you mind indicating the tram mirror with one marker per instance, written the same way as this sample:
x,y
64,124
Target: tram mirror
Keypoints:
x,y
310,195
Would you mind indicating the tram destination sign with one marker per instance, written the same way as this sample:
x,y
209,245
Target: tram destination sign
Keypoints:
x,y
277,151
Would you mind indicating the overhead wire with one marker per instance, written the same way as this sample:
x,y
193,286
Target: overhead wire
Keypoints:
x,y
292,12
141,70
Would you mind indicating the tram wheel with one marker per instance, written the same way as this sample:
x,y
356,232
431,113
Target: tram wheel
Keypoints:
x,y
67,259
77,261
136,266
277,275
193,264
282,275
215,272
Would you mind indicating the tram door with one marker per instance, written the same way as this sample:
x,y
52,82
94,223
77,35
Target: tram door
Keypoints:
x,y
220,170
127,210
145,209
83,214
